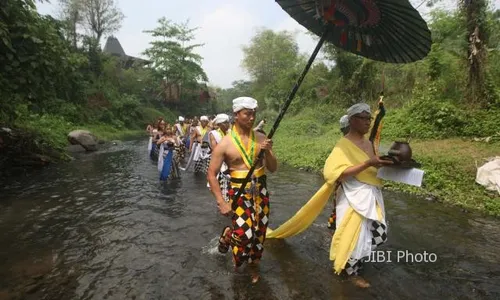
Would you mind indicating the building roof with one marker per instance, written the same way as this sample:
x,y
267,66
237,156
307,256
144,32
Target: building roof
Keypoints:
x,y
114,47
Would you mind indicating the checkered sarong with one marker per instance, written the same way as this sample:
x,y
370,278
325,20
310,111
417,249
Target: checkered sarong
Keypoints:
x,y
250,221
379,236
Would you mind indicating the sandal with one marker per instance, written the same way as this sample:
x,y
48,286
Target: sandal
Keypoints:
x,y
223,245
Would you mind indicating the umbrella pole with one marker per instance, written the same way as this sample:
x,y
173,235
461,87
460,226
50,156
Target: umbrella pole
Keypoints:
x,y
284,109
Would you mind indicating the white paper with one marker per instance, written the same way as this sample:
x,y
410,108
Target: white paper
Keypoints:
x,y
409,176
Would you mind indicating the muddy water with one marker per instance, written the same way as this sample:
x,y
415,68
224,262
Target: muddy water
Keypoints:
x,y
103,227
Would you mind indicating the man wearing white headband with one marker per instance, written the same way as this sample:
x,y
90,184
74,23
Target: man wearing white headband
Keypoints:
x,y
180,127
344,124
221,121
200,147
244,103
360,224
181,130
249,213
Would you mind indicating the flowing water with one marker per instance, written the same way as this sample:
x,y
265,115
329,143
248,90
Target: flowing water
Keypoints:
x,y
104,227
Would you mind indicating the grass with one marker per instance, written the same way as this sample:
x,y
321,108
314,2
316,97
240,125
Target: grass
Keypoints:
x,y
305,141
109,133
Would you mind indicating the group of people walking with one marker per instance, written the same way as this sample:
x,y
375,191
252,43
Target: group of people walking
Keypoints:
x,y
226,148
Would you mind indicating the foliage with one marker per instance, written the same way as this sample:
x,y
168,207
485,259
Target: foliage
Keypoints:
x,y
50,85
269,55
305,141
425,99
175,62
172,53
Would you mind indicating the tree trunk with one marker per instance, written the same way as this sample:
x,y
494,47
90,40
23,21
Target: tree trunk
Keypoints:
x,y
475,11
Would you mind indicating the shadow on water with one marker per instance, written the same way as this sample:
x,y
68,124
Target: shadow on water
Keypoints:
x,y
104,227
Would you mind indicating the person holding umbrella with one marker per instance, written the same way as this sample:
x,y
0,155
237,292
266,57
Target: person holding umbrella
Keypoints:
x,y
250,211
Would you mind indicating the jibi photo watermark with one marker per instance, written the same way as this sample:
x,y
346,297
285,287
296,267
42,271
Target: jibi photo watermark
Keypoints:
x,y
402,256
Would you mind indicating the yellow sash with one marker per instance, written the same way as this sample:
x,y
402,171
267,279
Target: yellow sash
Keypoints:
x,y
222,134
344,155
203,131
248,153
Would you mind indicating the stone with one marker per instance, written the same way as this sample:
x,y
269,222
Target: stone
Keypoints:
x,y
84,138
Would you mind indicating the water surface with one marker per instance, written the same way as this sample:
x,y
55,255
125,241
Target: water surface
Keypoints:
x,y
104,227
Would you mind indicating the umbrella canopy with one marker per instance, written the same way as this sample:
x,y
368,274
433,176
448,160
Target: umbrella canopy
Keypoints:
x,y
383,30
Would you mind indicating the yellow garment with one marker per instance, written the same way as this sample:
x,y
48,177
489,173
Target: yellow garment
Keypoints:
x,y
345,238
242,174
248,153
344,155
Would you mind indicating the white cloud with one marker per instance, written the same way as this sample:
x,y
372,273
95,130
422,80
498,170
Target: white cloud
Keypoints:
x,y
224,31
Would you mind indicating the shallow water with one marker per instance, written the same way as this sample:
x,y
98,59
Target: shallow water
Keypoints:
x,y
104,227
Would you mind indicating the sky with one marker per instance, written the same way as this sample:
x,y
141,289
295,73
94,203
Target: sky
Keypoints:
x,y
224,27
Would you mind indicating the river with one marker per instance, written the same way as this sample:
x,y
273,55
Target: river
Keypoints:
x,y
104,227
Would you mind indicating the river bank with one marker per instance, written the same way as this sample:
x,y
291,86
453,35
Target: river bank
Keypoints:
x,y
450,164
24,148
36,140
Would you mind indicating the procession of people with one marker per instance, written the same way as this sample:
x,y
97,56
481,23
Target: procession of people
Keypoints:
x,y
225,148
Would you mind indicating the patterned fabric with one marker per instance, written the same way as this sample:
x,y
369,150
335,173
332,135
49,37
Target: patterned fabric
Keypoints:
x,y
331,220
155,149
175,172
225,184
201,165
202,161
250,220
333,216
169,162
181,151
379,237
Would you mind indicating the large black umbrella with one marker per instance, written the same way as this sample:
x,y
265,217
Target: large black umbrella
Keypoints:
x,y
385,30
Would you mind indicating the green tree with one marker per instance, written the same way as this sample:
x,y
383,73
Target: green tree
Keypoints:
x,y
175,62
172,52
270,54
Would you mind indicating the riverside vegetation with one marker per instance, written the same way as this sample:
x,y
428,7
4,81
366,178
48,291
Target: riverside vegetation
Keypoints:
x,y
447,103
53,80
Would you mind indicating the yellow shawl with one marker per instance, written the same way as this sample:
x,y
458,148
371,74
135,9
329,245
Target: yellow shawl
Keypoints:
x,y
345,154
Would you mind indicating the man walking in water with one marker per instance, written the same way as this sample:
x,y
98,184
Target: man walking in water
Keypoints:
x,y
250,213
361,222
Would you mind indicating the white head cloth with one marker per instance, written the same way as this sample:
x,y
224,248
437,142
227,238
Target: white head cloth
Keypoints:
x,y
221,118
357,109
181,119
344,121
244,102
203,118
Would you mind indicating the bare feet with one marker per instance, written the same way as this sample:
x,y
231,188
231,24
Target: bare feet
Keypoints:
x,y
254,271
360,282
224,240
255,278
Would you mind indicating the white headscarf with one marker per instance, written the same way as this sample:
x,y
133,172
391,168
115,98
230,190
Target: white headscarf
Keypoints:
x,y
221,118
203,118
344,121
357,109
244,102
181,119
